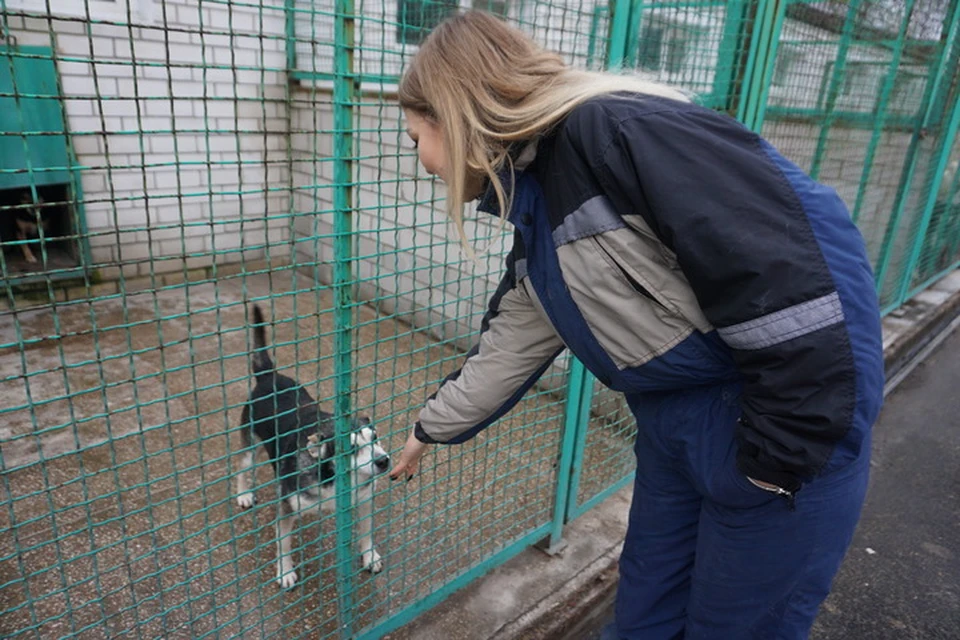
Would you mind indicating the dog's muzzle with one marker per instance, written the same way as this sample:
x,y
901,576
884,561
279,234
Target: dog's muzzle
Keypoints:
x,y
382,464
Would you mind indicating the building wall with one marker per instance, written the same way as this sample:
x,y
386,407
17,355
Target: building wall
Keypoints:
x,y
179,121
843,168
196,149
409,260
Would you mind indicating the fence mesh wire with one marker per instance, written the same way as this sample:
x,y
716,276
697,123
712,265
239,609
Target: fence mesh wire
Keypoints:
x,y
164,163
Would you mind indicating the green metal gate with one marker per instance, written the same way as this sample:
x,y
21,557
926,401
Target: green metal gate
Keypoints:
x,y
236,151
861,95
883,124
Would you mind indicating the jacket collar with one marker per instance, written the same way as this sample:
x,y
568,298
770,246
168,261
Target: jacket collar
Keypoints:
x,y
523,156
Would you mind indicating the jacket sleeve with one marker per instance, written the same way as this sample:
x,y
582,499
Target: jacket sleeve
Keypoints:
x,y
517,345
713,194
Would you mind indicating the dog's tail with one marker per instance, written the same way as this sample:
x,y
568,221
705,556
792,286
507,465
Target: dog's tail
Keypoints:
x,y
261,359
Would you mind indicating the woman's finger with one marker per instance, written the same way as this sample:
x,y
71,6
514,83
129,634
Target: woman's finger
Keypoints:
x,y
409,459
398,470
405,467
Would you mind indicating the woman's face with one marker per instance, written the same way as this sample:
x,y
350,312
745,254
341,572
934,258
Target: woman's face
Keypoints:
x,y
428,140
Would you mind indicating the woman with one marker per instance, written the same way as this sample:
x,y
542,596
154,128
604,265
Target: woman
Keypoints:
x,y
691,267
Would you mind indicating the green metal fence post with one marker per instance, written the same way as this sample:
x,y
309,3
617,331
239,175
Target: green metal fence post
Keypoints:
x,y
619,25
947,54
594,35
759,40
633,34
344,94
951,237
760,89
579,446
758,62
954,249
880,112
728,61
579,380
938,168
290,26
833,89
938,240
571,428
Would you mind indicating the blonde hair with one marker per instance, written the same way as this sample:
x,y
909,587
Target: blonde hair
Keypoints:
x,y
488,86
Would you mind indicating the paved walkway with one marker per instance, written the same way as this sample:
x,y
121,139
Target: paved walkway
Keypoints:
x,y
901,578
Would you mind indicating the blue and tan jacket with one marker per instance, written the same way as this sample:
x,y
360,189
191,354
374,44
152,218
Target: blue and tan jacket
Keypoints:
x,y
668,247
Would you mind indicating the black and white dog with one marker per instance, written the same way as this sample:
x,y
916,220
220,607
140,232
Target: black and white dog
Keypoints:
x,y
298,438
27,220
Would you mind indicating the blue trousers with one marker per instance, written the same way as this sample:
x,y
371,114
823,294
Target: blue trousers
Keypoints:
x,y
710,556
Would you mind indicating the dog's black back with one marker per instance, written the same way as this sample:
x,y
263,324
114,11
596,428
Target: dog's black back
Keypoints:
x,y
284,416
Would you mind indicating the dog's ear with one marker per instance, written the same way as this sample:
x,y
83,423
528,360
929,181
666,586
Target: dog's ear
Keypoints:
x,y
317,449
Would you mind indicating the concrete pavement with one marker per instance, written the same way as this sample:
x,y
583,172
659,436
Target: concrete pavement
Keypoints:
x,y
901,577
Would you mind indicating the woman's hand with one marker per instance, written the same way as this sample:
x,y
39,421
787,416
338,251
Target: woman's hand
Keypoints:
x,y
409,458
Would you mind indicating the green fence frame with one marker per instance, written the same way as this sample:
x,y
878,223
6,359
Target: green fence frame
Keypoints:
x,y
740,85
344,96
747,97
941,93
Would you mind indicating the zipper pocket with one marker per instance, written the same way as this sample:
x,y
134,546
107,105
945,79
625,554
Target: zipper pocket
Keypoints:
x,y
634,284
789,496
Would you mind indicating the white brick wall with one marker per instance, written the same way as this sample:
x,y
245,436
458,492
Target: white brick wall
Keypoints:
x,y
842,168
561,25
176,122
411,262
184,127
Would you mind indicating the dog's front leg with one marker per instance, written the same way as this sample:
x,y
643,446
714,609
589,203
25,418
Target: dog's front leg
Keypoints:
x,y
245,495
27,253
369,558
286,575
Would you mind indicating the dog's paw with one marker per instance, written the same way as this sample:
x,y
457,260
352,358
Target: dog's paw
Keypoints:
x,y
246,500
371,561
286,579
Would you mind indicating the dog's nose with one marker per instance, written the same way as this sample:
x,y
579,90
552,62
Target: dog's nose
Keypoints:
x,y
382,463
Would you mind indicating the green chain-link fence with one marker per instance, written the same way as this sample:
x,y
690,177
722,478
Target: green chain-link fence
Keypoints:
x,y
181,158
